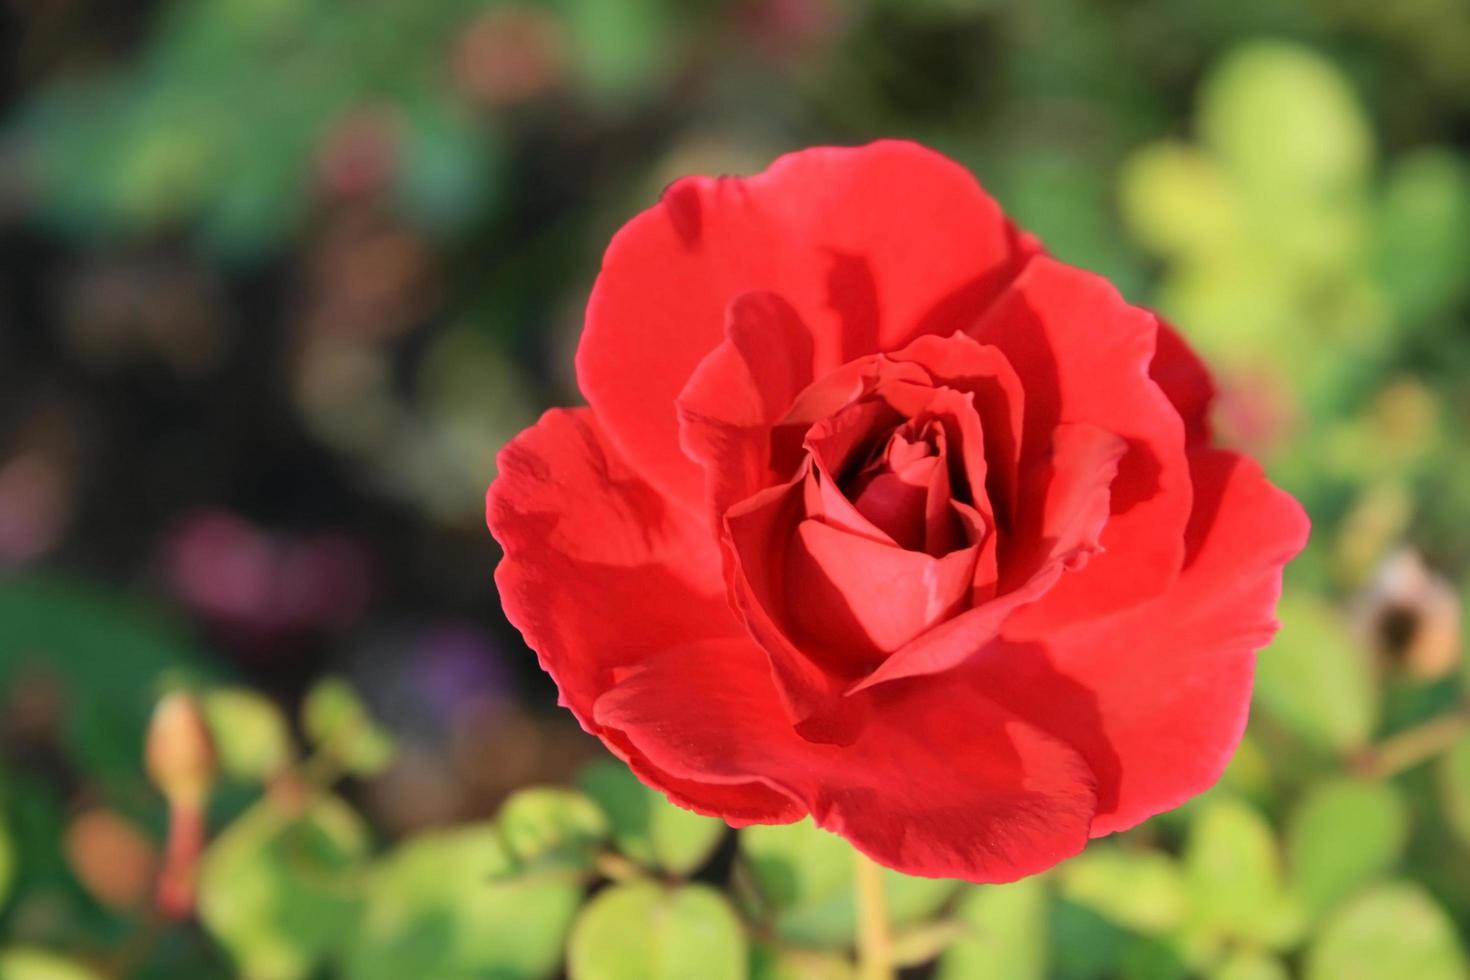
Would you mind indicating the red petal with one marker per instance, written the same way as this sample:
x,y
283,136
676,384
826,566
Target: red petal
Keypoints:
x,y
825,501
739,391
599,572
755,532
899,502
942,782
861,599
1070,494
1156,698
1178,370
839,442
738,804
1073,508
818,411
871,246
964,436
983,373
1083,355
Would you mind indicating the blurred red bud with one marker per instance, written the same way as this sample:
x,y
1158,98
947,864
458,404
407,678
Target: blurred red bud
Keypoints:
x,y
180,753
111,857
359,153
1411,616
510,55
181,763
789,28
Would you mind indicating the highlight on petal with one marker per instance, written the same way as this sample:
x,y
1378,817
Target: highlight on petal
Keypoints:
x,y
867,599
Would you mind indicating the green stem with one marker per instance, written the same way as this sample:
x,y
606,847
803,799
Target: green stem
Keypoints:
x,y
1419,744
321,771
874,941
615,867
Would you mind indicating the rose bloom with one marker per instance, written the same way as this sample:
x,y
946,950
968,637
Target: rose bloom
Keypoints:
x,y
881,514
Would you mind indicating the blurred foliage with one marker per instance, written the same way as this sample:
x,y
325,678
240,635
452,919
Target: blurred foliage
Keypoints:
x,y
282,276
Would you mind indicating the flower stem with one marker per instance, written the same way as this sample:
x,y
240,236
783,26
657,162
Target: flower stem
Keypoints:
x,y
1417,745
178,881
874,942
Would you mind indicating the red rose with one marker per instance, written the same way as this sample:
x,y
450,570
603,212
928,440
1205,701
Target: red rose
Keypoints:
x,y
881,514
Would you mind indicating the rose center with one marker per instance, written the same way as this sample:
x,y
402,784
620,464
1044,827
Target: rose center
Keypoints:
x,y
903,488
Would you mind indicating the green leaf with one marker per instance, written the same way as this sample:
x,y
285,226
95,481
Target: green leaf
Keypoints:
x,y
1423,240
1008,937
643,931
339,724
251,737
441,907
1282,115
280,892
1342,836
1139,890
1154,958
1233,871
805,877
25,963
547,828
1315,679
1454,788
7,859
1250,965
645,826
1176,199
1085,946
770,963
1395,931
620,49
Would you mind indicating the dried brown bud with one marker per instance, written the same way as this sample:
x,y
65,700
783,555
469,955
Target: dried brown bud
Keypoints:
x,y
1411,616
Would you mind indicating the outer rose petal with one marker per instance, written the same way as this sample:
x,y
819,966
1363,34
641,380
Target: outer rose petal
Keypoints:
x,y
1178,370
1156,697
599,573
1069,499
738,804
810,687
740,389
943,782
871,246
1084,355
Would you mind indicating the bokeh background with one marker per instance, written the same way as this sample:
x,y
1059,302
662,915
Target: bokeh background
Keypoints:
x,y
279,277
